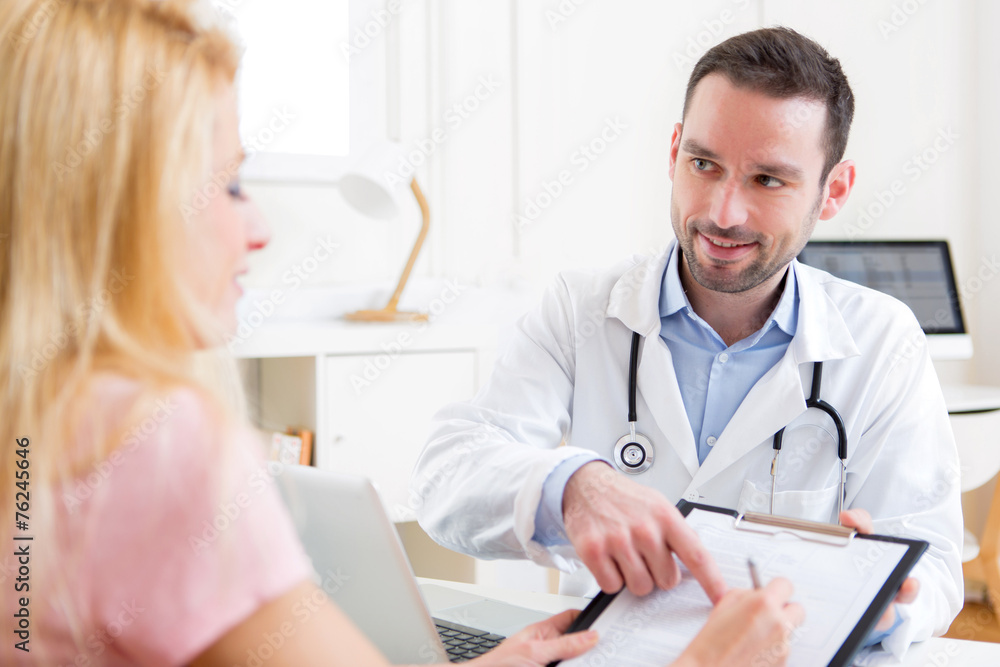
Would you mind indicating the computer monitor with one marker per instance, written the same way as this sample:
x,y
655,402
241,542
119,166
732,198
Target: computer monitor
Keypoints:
x,y
918,273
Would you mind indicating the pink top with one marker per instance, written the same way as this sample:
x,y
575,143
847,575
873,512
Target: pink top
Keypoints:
x,y
165,547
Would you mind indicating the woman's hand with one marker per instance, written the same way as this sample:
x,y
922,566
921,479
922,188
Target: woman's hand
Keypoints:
x,y
540,643
746,628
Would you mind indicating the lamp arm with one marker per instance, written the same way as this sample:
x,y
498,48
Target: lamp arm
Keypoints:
x,y
425,225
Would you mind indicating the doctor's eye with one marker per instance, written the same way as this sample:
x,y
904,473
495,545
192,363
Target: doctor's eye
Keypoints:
x,y
769,181
701,164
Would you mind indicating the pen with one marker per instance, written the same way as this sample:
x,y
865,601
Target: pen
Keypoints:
x,y
754,577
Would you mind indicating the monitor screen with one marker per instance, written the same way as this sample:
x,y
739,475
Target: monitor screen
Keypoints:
x,y
918,273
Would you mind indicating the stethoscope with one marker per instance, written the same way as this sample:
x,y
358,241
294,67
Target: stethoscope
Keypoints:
x,y
634,452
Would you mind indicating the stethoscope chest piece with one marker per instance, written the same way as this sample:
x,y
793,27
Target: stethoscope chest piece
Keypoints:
x,y
633,453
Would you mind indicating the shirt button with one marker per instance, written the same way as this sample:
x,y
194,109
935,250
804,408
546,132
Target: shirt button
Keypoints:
x,y
723,358
710,440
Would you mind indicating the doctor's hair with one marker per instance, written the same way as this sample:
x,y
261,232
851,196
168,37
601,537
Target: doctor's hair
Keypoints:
x,y
782,63
107,118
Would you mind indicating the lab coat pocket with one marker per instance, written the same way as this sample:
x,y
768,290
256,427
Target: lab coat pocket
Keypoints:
x,y
817,505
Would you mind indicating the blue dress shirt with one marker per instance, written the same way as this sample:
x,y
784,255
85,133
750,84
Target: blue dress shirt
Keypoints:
x,y
715,378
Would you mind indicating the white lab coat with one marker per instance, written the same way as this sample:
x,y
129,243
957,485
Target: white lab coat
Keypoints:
x,y
561,388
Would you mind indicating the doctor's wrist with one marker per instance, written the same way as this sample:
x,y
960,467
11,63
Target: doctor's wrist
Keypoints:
x,y
589,482
549,527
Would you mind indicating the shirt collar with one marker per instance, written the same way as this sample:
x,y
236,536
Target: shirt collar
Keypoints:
x,y
673,298
786,313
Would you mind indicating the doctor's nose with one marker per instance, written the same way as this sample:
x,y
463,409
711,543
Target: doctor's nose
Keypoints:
x,y
728,207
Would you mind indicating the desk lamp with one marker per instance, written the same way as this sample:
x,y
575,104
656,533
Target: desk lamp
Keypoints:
x,y
365,189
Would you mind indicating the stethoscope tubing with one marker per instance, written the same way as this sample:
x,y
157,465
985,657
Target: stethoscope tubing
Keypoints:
x,y
633,369
633,440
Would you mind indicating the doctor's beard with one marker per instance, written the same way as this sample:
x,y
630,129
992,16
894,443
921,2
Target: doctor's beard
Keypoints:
x,y
762,268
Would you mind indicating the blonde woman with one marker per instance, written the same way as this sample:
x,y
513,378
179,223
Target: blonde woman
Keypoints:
x,y
123,233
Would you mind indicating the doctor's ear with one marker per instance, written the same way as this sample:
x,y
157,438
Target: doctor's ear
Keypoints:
x,y
675,145
838,188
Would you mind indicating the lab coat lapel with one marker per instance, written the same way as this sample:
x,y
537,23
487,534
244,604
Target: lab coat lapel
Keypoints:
x,y
659,389
821,333
635,297
780,396
635,300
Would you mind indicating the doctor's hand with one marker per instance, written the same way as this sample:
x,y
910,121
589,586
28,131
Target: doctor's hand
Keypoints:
x,y
540,643
626,533
860,520
746,628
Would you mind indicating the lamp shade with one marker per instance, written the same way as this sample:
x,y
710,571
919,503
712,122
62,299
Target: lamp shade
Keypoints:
x,y
368,196
365,186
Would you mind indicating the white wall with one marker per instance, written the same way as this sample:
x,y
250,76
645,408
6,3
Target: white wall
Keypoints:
x,y
608,70
981,262
562,70
982,290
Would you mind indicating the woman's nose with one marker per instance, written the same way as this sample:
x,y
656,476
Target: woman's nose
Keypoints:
x,y
258,231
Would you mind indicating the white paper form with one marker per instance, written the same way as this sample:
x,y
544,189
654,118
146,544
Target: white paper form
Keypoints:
x,y
834,583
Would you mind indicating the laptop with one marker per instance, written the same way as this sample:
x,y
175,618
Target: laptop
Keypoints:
x,y
360,563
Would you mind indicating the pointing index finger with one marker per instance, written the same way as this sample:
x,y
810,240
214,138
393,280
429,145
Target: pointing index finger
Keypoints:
x,y
683,541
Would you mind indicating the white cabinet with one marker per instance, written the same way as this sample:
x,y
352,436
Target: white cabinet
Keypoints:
x,y
377,427
368,391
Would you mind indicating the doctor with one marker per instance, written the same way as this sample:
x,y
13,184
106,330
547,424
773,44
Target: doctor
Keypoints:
x,y
730,328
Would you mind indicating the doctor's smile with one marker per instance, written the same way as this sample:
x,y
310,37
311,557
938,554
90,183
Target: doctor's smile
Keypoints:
x,y
725,251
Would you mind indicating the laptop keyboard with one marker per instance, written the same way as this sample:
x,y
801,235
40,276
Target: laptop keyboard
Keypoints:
x,y
464,643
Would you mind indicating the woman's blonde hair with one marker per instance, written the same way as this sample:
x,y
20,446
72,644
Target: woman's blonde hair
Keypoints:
x,y
107,111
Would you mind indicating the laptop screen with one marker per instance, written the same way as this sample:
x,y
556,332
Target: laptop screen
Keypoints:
x,y
918,273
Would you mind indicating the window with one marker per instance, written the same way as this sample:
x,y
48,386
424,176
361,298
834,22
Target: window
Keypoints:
x,y
309,96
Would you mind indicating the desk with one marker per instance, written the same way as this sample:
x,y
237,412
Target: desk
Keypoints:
x,y
937,652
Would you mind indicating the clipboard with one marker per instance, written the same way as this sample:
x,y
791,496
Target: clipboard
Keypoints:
x,y
832,536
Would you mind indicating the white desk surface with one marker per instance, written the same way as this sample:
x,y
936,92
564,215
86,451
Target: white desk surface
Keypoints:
x,y
937,652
